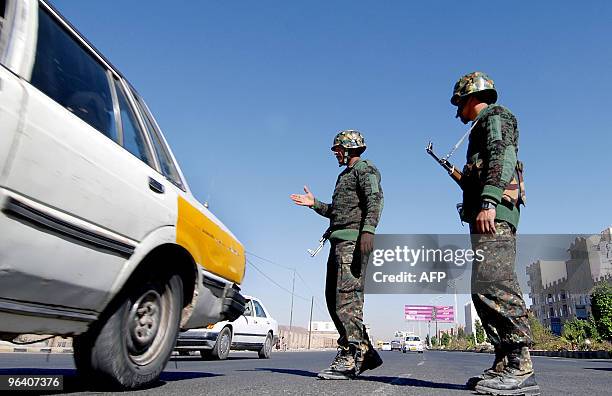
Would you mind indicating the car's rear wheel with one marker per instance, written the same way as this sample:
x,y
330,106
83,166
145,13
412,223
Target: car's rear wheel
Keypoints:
x,y
222,346
133,342
266,349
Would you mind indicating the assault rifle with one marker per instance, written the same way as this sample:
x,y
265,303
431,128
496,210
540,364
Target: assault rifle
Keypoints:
x,y
453,172
322,241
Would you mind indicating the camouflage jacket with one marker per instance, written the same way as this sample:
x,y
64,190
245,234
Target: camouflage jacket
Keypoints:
x,y
356,204
492,172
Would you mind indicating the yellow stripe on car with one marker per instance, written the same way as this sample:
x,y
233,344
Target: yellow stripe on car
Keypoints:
x,y
210,246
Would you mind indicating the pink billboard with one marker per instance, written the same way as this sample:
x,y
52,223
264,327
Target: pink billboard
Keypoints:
x,y
440,313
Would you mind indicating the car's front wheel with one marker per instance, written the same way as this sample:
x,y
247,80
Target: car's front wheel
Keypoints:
x,y
133,342
222,346
266,349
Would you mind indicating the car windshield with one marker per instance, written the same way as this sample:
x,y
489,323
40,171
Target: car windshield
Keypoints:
x,y
413,339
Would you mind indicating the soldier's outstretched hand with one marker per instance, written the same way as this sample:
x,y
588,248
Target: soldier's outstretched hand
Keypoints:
x,y
303,199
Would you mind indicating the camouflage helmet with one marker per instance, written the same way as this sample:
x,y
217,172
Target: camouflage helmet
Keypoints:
x,y
349,139
471,83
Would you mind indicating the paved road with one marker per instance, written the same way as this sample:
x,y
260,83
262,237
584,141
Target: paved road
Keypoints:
x,y
292,373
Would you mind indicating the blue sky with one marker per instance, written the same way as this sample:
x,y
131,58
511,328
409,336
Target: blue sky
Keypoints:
x,y
250,95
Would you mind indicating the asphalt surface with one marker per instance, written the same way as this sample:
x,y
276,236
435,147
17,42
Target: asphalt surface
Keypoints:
x,y
292,373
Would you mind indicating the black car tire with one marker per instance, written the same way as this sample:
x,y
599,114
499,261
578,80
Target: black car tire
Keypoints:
x,y
266,349
222,346
130,345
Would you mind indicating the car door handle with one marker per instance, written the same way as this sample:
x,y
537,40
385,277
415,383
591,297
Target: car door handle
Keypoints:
x,y
156,186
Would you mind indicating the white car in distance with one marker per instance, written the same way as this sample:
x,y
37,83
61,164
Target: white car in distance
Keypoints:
x,y
254,330
413,344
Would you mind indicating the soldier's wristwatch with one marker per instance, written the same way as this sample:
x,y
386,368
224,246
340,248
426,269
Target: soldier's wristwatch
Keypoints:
x,y
486,205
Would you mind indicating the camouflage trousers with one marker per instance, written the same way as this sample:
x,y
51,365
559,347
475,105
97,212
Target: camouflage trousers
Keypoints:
x,y
496,293
344,292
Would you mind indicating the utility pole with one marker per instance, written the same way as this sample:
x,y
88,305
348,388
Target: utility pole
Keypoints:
x,y
435,316
291,312
455,312
310,322
437,335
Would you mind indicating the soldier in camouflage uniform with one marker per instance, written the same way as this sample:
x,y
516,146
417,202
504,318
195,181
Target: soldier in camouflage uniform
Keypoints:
x,y
354,213
493,193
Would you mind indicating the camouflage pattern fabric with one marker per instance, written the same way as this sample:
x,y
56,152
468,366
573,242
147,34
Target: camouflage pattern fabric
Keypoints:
x,y
520,360
493,172
344,293
472,83
357,202
496,293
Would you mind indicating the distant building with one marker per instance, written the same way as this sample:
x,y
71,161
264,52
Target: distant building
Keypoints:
x,y
297,338
560,290
318,326
470,318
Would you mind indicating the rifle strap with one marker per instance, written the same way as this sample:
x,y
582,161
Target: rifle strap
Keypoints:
x,y
460,142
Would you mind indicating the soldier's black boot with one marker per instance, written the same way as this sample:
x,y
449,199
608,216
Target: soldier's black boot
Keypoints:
x,y
367,358
499,364
343,366
517,378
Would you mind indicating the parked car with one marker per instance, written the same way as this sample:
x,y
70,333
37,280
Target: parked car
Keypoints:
x,y
413,344
386,346
102,239
254,330
396,345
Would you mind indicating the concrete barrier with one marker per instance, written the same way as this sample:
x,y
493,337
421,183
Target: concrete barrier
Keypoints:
x,y
575,354
563,354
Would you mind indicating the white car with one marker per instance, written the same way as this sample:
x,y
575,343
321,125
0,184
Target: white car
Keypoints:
x,y
396,345
100,236
386,346
254,330
413,344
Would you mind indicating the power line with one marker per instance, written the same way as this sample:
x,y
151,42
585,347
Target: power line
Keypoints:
x,y
321,309
270,261
312,292
274,282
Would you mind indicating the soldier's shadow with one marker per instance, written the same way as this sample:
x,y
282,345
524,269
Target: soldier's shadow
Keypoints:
x,y
398,381
302,373
401,381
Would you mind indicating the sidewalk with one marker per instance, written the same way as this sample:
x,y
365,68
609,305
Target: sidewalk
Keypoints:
x,y
33,349
563,354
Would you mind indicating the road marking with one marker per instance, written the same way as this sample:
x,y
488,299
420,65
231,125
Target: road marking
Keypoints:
x,y
420,363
